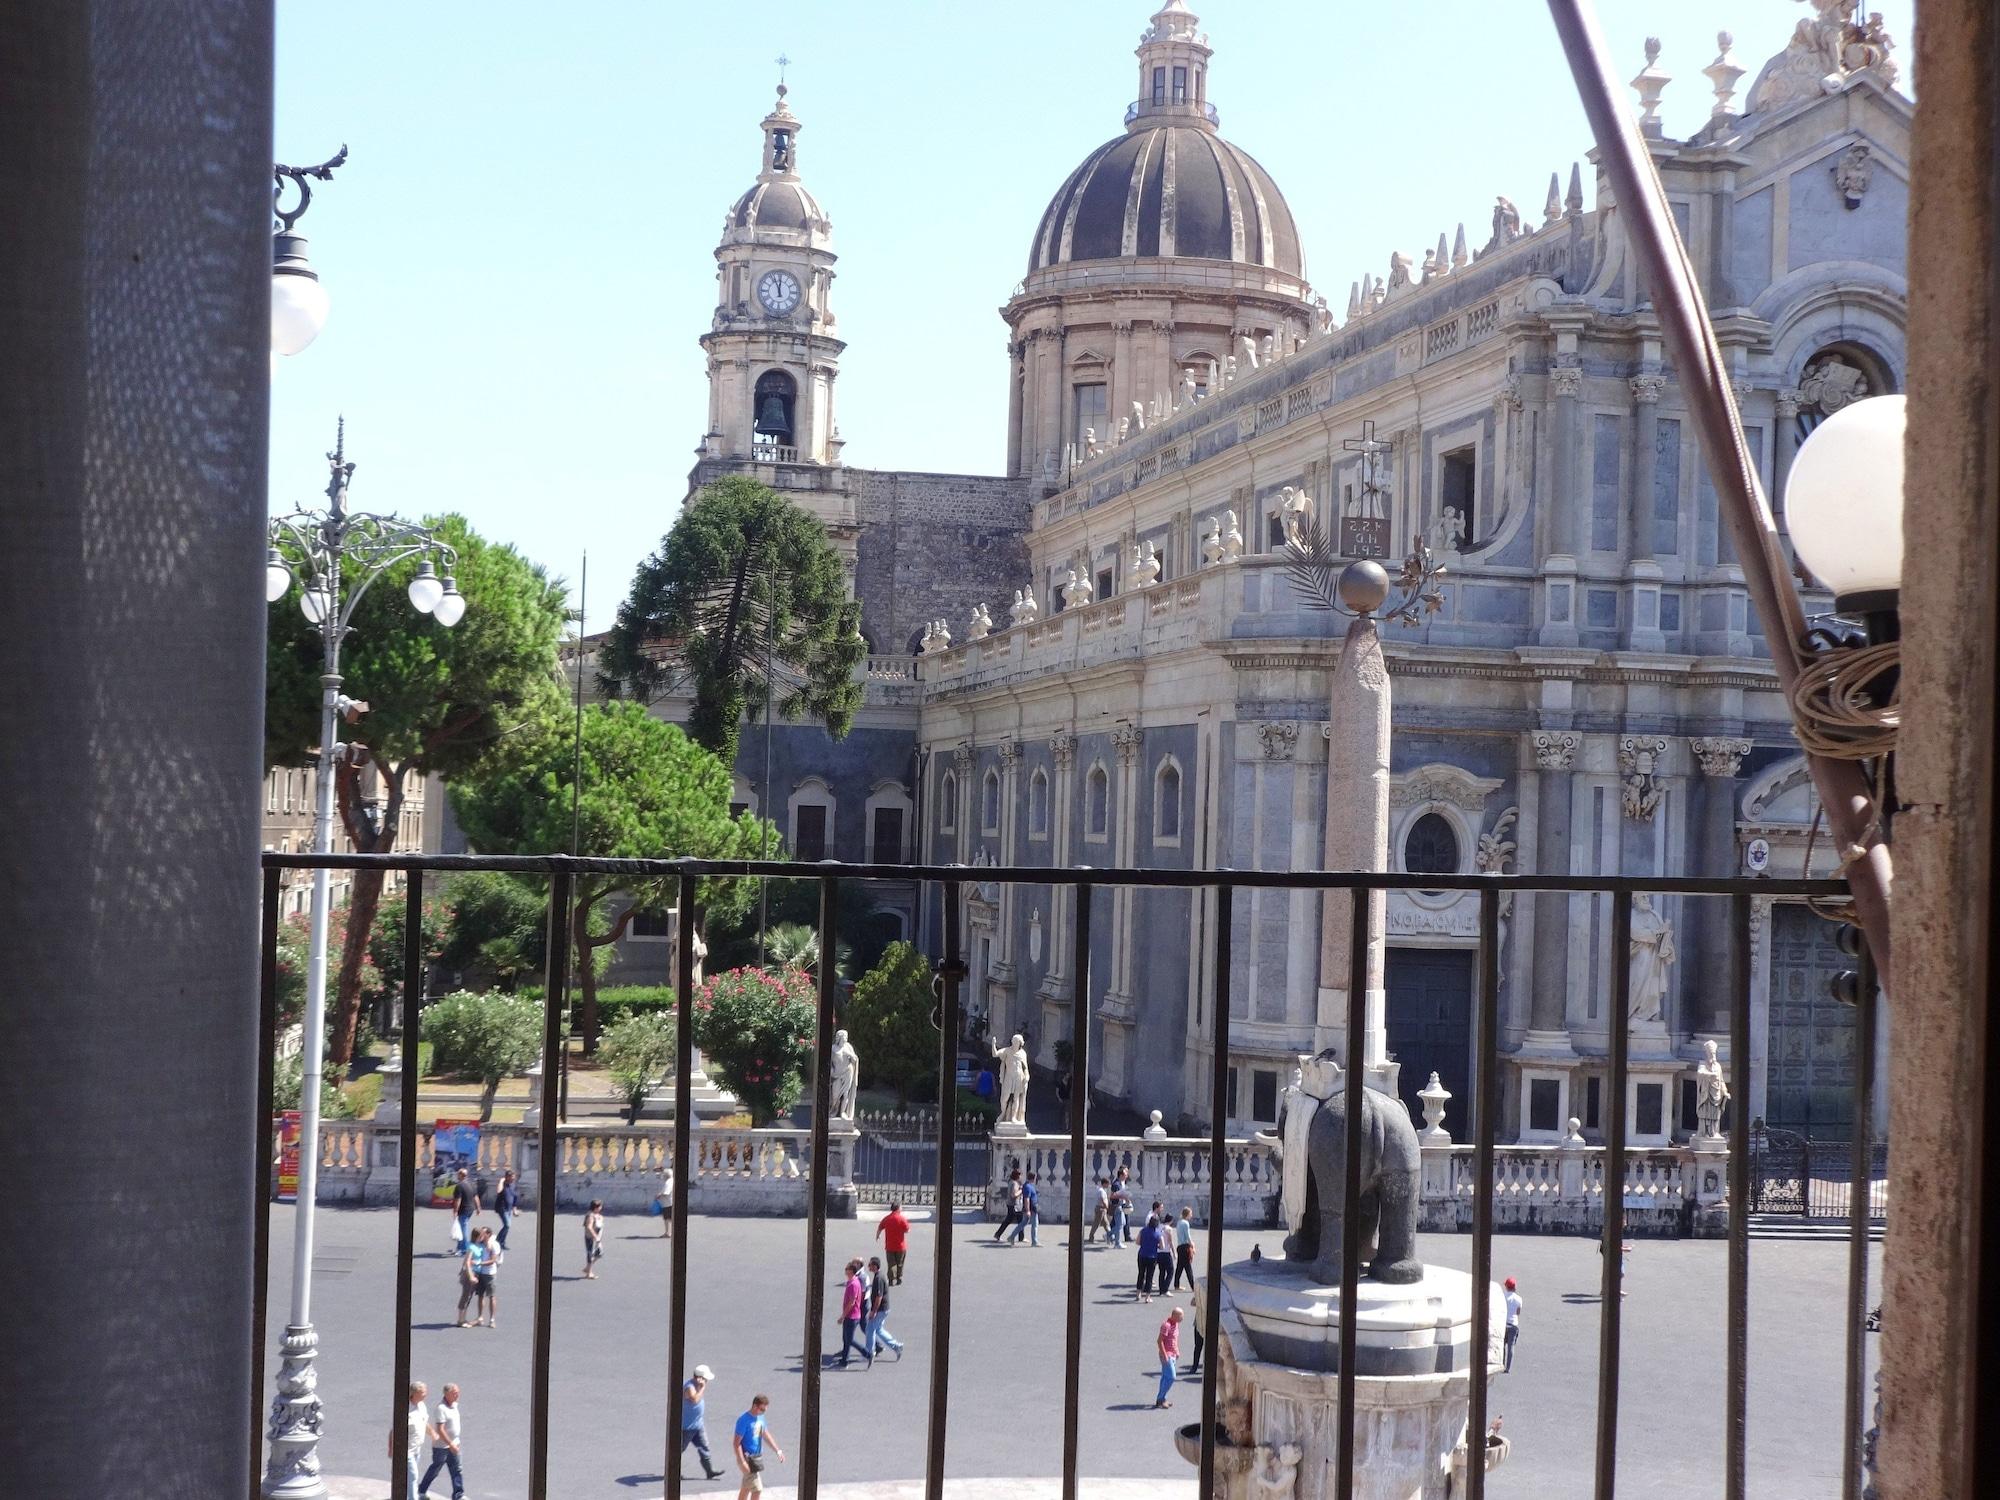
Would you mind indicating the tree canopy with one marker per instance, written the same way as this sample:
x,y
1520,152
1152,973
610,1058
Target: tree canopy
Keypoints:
x,y
440,702
648,792
745,589
889,1022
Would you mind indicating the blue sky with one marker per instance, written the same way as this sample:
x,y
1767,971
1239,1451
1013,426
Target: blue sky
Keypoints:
x,y
520,250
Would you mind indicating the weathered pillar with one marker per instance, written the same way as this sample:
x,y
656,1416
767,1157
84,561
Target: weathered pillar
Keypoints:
x,y
1721,759
1357,838
134,410
1571,531
1645,442
1555,753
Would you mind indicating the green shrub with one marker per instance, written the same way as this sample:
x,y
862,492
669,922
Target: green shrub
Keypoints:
x,y
635,1051
755,1031
488,1037
889,1021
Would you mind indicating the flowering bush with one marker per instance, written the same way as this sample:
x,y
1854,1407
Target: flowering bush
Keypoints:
x,y
755,1030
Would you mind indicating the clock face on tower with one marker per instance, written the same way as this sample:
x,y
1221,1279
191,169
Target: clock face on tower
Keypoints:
x,y
778,291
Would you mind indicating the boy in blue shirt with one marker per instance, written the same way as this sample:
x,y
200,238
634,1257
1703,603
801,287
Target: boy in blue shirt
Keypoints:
x,y
751,1436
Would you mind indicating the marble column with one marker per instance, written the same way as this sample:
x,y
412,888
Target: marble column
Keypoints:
x,y
1555,754
1721,760
1784,448
1357,838
1016,376
1009,750
1571,531
1120,395
1646,390
1055,976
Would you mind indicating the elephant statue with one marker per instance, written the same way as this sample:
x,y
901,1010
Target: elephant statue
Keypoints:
x,y
1390,1165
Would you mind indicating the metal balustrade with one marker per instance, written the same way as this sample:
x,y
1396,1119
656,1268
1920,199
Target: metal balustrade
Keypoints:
x,y
1495,1179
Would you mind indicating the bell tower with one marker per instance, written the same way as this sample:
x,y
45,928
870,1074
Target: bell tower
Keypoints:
x,y
772,353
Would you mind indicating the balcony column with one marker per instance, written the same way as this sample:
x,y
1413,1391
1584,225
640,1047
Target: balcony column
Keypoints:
x,y
133,454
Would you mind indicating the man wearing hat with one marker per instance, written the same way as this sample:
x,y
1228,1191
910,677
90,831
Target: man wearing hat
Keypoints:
x,y
1513,1326
694,1417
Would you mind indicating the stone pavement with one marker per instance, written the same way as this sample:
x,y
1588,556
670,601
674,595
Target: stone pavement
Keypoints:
x,y
610,1389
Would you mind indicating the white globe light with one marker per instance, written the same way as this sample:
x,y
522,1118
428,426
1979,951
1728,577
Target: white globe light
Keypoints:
x,y
277,577
299,306
1844,501
316,602
450,607
425,590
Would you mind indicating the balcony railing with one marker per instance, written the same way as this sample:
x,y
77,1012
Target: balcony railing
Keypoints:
x,y
1140,107
1483,1183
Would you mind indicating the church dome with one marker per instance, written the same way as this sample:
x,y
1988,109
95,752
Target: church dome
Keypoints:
x,y
777,205
1169,188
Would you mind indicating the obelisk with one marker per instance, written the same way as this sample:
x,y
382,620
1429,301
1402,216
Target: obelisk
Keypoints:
x,y
1357,824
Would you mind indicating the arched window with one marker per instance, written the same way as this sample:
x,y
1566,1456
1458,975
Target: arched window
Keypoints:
x,y
1038,804
773,404
1431,846
1097,805
1167,802
989,803
948,803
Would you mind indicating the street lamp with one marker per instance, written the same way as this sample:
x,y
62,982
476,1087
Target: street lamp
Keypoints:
x,y
1844,504
298,302
325,547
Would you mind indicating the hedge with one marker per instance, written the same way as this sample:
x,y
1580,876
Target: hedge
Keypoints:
x,y
617,1002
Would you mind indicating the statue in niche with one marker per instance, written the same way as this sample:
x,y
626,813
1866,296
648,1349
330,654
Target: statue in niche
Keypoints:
x,y
1653,953
1450,529
1012,1079
846,1068
1390,1162
1711,1092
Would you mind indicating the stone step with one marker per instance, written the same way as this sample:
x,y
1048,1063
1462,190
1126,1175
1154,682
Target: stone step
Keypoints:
x,y
1794,1227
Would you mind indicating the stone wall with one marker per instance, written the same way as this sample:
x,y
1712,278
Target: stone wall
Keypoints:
x,y
934,545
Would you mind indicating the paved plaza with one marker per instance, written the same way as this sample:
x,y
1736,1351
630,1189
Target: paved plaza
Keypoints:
x,y
610,1386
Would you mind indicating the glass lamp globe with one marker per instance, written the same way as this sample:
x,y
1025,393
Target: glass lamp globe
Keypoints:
x,y
299,306
450,608
317,601
277,577
1844,503
425,590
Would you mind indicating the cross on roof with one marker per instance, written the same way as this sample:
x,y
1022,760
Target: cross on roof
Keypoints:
x,y
1371,449
783,62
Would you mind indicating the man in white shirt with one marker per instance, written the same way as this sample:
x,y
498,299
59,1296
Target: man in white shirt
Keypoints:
x,y
1513,1326
418,1427
445,1434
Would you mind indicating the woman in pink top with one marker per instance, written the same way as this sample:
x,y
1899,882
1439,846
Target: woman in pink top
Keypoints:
x,y
1170,1354
853,1310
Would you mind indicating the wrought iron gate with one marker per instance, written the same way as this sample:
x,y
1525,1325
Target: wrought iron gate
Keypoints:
x,y
895,1161
1781,1170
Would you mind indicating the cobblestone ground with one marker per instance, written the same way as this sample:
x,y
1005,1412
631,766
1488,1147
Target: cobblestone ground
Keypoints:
x,y
610,1387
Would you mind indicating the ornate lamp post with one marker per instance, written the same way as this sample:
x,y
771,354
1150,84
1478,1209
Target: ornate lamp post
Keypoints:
x,y
323,550
298,302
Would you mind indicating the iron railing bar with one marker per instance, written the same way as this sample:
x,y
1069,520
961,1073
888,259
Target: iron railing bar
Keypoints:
x,y
1162,879
1218,1116
677,1275
1486,1107
1859,1186
1079,1154
406,1165
1736,1421
1360,902
260,1228
950,973
822,1103
1612,1245
554,997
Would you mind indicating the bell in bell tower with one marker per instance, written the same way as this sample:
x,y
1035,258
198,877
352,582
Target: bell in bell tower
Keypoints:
x,y
772,353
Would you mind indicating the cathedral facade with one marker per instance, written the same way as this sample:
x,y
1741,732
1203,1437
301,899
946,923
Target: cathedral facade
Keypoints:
x,y
1103,657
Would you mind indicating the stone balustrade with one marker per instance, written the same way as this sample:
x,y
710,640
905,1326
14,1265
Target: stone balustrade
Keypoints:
x,y
1173,1169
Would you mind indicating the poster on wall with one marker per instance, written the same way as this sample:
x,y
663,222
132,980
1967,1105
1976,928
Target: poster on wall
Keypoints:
x,y
287,1126
454,1144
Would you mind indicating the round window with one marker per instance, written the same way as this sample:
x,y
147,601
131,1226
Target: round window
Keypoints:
x,y
1431,847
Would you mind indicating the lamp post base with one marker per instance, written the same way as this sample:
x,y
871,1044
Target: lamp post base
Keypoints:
x,y
292,1471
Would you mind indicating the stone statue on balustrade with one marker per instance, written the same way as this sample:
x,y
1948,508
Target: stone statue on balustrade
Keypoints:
x,y
1025,611
846,1070
980,625
1012,1080
1711,1093
1653,953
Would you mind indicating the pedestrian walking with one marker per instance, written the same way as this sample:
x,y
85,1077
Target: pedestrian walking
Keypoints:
x,y
752,1434
893,1230
1184,1249
1121,1208
1624,1261
694,1419
1031,1213
416,1430
663,1205
505,1201
464,1204
1149,1258
593,1238
1100,1217
484,1259
878,1312
1195,1368
1169,1342
853,1313
1163,1253
1013,1205
468,1277
447,1432
1513,1327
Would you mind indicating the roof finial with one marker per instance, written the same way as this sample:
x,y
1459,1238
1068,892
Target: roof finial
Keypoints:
x,y
1723,73
1553,209
1651,83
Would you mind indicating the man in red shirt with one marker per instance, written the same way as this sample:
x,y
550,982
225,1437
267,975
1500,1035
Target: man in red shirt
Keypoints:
x,y
894,1233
